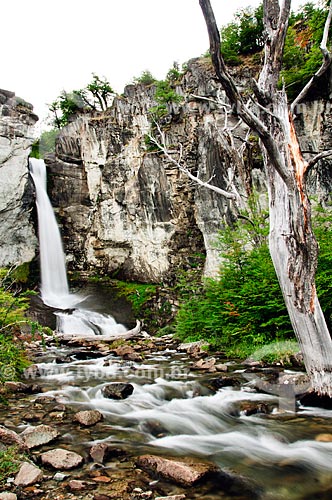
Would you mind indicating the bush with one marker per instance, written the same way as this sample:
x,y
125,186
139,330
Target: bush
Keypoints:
x,y
244,309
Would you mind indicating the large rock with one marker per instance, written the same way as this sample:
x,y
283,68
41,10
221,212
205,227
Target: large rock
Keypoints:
x,y
117,390
39,435
186,473
61,459
18,240
5,495
9,437
28,474
88,418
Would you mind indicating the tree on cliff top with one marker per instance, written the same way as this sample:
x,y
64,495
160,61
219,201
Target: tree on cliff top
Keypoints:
x,y
98,95
292,243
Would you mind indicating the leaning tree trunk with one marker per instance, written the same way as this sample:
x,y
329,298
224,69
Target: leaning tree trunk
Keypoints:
x,y
293,246
294,251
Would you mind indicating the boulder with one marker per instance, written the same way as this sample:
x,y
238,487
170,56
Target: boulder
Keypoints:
x,y
117,390
186,473
39,435
88,418
28,474
10,437
7,496
61,459
18,387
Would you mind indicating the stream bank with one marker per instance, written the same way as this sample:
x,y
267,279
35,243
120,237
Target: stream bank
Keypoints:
x,y
182,424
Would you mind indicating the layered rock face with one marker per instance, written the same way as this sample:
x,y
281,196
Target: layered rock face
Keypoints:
x,y
18,241
125,209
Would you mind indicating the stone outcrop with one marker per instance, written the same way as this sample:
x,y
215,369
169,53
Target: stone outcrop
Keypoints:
x,y
128,211
18,240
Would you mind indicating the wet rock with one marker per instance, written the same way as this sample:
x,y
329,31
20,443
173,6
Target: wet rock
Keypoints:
x,y
45,400
101,497
100,452
117,390
324,438
172,497
33,416
18,387
7,496
10,437
253,408
59,476
186,473
28,474
205,364
316,400
128,353
194,349
31,372
61,459
88,417
78,485
218,383
39,435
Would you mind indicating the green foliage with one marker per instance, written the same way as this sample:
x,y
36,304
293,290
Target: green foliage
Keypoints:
x,y
45,144
138,294
10,461
174,74
164,96
12,316
302,55
97,96
243,36
323,230
146,78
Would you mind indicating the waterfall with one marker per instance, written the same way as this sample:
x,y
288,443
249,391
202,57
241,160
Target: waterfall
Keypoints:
x,y
54,283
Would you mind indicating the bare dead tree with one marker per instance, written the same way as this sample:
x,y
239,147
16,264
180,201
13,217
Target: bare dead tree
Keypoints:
x,y
292,243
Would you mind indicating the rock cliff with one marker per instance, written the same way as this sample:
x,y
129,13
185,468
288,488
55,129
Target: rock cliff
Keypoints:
x,y
128,211
17,234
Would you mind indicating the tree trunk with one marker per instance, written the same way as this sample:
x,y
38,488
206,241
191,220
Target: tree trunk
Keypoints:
x,y
293,250
292,243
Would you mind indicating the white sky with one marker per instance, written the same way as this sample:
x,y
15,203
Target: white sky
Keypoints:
x,y
48,46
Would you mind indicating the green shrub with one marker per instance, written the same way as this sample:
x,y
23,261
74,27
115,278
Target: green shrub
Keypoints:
x,y
243,309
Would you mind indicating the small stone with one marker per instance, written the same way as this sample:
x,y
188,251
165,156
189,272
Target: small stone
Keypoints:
x,y
98,452
101,497
28,474
221,367
76,485
102,479
88,417
7,496
117,390
172,497
59,476
61,459
39,435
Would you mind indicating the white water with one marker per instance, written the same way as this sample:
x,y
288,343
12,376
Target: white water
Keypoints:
x,y
54,284
281,454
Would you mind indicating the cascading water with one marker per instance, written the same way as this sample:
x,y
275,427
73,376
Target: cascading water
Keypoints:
x,y
54,283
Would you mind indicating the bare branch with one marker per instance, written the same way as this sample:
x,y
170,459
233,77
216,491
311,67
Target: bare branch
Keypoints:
x,y
234,96
318,157
327,59
161,145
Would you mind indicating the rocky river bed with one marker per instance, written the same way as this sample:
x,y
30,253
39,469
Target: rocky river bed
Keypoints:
x,y
149,418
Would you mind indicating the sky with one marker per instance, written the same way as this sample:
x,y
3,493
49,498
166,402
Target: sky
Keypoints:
x,y
48,46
